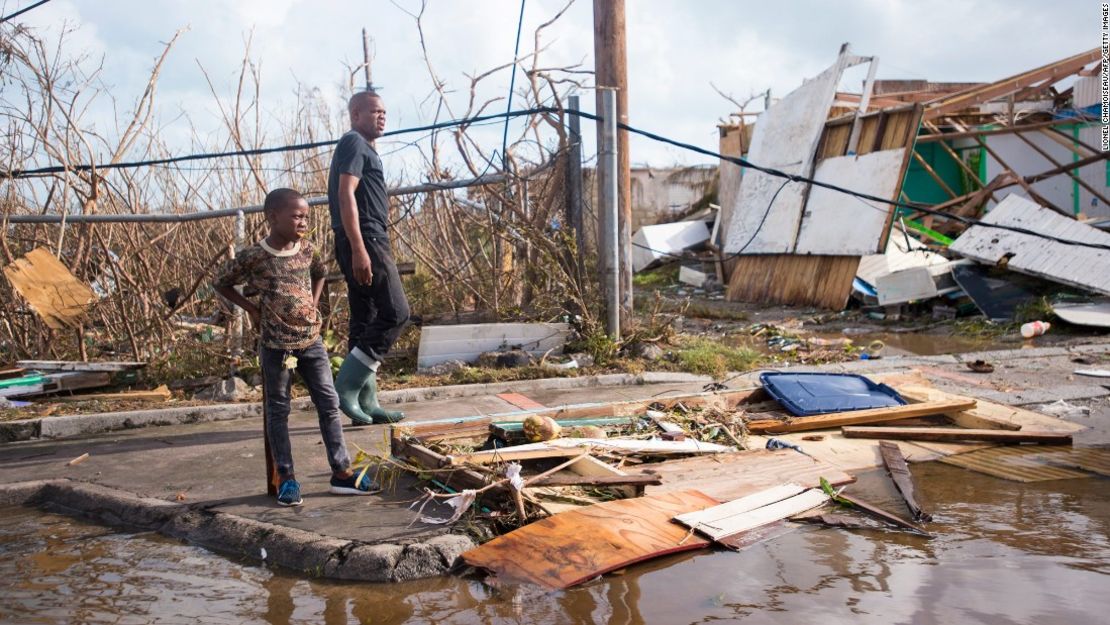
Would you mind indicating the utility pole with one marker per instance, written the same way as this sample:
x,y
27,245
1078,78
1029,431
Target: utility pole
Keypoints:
x,y
366,60
607,196
611,70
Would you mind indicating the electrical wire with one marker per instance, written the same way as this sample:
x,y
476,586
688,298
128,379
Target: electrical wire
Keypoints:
x,y
22,11
742,162
512,86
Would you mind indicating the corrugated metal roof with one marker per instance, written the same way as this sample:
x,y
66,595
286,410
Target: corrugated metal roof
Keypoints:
x,y
1020,463
1037,256
1095,460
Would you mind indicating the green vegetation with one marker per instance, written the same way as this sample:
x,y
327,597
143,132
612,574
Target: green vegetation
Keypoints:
x,y
656,278
701,355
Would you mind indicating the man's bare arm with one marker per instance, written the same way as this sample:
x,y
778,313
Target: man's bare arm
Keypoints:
x,y
348,213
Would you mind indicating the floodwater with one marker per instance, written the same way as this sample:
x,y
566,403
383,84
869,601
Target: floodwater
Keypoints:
x,y
1002,552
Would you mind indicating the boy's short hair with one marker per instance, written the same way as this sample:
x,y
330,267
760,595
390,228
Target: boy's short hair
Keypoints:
x,y
278,198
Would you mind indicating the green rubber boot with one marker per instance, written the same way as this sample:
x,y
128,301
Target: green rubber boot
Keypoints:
x,y
349,382
368,401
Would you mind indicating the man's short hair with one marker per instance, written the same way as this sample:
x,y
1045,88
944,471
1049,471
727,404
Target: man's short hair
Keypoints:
x,y
279,198
359,98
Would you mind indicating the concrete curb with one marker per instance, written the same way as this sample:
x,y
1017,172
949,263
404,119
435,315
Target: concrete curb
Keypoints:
x,y
306,552
73,426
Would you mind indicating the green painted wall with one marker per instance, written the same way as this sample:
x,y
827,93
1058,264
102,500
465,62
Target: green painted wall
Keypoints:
x,y
919,186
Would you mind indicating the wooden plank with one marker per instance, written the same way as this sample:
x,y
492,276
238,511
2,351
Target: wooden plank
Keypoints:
x,y
52,291
879,513
574,546
162,393
566,447
70,365
875,415
957,434
903,480
744,504
750,512
986,414
12,372
607,480
732,476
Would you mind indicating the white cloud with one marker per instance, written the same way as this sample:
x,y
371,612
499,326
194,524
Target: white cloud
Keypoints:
x,y
675,50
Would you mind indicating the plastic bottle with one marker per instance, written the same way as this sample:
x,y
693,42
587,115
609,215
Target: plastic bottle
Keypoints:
x,y
1034,328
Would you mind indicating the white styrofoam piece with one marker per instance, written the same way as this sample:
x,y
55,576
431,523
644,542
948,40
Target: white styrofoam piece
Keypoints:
x,y
693,277
907,285
1060,262
466,342
844,225
899,255
654,243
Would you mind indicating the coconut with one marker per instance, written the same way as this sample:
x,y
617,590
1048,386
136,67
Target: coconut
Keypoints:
x,y
537,428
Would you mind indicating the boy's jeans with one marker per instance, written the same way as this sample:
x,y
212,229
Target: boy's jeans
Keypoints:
x,y
315,370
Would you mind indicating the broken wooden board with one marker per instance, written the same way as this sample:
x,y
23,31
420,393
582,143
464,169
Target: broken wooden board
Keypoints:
x,y
73,365
599,480
566,447
162,393
49,287
879,513
1015,463
753,511
956,434
903,480
874,415
577,545
732,476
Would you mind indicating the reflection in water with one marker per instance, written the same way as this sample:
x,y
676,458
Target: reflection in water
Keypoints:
x,y
1002,553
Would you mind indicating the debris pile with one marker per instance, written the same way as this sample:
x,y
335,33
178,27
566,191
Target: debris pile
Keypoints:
x,y
561,495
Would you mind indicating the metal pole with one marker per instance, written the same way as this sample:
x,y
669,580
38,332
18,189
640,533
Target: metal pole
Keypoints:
x,y
608,204
240,237
574,184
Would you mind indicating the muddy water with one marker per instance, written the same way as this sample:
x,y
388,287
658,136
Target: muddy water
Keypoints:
x,y
1002,553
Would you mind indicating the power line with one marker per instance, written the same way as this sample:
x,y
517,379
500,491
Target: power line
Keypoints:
x,y
742,162
22,11
512,85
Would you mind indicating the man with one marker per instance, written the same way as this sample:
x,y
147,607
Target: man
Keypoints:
x,y
360,218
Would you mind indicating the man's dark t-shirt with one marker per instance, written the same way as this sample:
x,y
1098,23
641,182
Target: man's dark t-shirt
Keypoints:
x,y
353,155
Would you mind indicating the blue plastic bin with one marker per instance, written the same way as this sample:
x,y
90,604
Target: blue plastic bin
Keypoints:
x,y
808,394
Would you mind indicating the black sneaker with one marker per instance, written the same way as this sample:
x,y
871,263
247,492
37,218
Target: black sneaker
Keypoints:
x,y
353,486
289,493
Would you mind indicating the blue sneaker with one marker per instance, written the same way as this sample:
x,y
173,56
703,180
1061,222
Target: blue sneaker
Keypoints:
x,y
353,486
289,493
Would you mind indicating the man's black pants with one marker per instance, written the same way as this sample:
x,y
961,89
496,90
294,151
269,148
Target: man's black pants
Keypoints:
x,y
380,309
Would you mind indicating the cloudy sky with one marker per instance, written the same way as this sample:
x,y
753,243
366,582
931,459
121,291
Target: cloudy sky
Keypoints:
x,y
676,48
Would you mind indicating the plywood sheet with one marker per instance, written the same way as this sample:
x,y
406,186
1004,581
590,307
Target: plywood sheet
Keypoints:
x,y
465,342
785,138
845,225
660,242
49,287
822,281
574,546
1037,256
732,476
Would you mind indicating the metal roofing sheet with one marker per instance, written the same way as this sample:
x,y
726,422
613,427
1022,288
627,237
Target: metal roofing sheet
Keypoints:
x,y
1034,255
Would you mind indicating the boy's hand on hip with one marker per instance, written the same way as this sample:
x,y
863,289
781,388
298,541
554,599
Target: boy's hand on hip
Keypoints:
x,y
360,264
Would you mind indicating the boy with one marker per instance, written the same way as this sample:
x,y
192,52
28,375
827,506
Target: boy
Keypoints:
x,y
289,278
